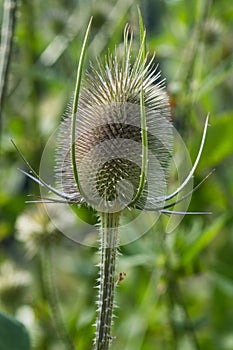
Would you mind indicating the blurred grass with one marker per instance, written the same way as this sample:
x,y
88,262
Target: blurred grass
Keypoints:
x,y
179,287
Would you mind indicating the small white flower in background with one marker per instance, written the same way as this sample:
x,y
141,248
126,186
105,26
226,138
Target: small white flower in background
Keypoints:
x,y
13,285
35,230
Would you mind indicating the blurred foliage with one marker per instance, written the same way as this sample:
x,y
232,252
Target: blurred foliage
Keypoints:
x,y
178,290
8,327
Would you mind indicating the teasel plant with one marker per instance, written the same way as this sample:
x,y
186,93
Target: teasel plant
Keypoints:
x,y
113,152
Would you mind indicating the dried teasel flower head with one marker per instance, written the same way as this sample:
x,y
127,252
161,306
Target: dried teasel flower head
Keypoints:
x,y
115,142
123,135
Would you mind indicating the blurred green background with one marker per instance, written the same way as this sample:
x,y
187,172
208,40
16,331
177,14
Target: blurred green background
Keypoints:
x,y
178,290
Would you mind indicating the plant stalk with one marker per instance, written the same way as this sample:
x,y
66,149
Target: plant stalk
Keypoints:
x,y
52,298
7,34
108,251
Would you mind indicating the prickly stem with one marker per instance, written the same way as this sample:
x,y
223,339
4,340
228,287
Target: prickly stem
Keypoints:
x,y
108,252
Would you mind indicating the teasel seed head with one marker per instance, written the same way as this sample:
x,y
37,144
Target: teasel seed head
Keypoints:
x,y
119,102
115,142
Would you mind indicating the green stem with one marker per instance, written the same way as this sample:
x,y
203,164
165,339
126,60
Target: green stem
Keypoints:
x,y
190,329
108,253
195,44
52,298
175,298
7,34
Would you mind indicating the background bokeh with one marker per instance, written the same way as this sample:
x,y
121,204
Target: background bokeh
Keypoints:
x,y
178,290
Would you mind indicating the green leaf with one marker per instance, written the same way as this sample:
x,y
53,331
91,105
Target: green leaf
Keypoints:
x,y
223,282
215,78
85,213
13,334
219,143
202,241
